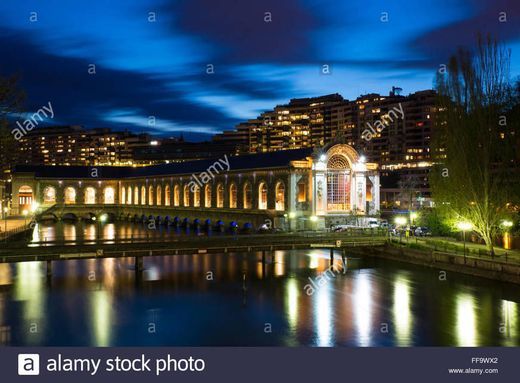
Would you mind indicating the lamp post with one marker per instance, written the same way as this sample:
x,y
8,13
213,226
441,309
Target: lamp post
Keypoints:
x,y
6,209
25,213
507,240
464,226
400,221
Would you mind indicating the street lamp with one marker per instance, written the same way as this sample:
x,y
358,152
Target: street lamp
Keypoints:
x,y
400,221
507,238
25,212
464,226
6,209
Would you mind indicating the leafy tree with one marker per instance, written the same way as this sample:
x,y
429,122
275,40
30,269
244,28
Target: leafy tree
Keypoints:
x,y
476,176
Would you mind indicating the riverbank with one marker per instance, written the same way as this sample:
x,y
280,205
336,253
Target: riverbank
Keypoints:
x,y
496,269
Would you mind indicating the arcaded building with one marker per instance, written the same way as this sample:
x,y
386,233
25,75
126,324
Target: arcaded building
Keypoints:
x,y
290,189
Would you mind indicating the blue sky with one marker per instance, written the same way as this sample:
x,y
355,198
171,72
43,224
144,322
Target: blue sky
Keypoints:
x,y
159,68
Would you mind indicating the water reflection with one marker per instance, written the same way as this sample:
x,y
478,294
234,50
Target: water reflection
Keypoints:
x,y
101,302
466,320
401,311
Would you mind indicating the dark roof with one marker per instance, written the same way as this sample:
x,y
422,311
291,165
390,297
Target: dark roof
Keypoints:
x,y
244,162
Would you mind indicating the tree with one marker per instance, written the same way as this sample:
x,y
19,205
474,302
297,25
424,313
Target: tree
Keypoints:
x,y
475,176
11,100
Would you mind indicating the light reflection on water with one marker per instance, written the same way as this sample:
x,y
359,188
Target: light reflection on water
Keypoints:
x,y
204,299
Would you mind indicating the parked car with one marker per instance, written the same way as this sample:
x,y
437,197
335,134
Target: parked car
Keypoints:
x,y
422,232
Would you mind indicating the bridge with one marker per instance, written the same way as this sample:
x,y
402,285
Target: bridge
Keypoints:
x,y
138,249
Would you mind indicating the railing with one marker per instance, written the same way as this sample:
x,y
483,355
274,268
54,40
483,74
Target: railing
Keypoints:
x,y
9,233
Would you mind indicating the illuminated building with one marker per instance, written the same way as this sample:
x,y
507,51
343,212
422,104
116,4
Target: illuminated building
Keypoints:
x,y
294,189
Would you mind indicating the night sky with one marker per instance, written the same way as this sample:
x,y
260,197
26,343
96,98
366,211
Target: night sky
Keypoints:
x,y
159,68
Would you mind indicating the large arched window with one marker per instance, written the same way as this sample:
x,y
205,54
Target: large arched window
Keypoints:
x,y
262,196
49,194
207,196
136,195
167,196
128,195
220,195
70,195
123,195
90,195
248,196
109,195
232,196
186,195
176,195
196,196
280,196
338,183
159,195
143,195
150,195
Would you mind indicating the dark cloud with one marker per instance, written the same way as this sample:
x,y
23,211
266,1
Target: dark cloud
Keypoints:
x,y
239,28
439,44
81,98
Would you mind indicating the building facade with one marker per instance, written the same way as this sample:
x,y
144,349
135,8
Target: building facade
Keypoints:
x,y
292,189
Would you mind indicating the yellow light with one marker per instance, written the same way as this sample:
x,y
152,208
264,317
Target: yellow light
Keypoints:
x,y
507,223
103,218
25,212
314,218
465,226
400,220
292,215
413,215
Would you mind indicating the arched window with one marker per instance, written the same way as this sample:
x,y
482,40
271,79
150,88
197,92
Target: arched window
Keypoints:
x,y
143,195
248,196
196,196
167,196
150,195
232,196
70,195
176,195
186,195
90,195
220,195
262,196
136,195
159,195
49,194
207,196
129,195
25,197
123,195
280,196
338,183
109,195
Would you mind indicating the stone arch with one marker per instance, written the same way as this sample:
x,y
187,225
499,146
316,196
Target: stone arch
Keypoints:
x,y
90,195
207,195
176,195
69,195
196,196
186,195
143,195
262,195
109,195
25,197
247,195
233,195
49,194
167,195
150,195
279,192
220,195
128,195
158,196
136,195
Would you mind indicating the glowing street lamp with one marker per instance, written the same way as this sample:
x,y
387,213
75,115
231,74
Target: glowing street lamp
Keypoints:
x,y
464,226
507,237
507,224
413,217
